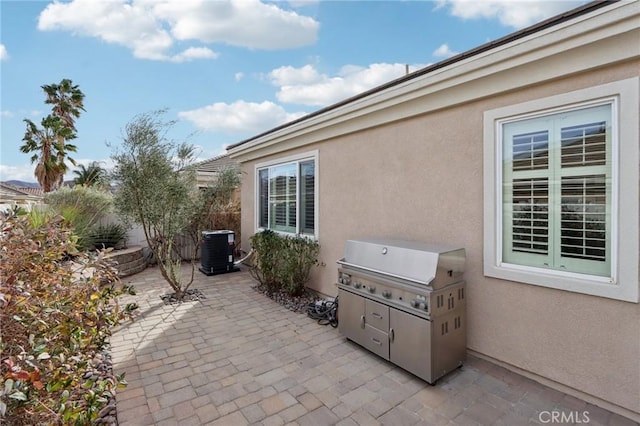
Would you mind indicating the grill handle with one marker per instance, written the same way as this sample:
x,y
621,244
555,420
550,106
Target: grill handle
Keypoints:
x,y
392,335
361,321
377,271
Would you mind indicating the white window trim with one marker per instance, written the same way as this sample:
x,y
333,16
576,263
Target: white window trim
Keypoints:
x,y
623,285
304,156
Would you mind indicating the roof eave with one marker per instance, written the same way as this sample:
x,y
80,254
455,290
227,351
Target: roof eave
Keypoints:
x,y
550,22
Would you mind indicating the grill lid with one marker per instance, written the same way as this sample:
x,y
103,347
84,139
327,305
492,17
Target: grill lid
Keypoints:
x,y
421,263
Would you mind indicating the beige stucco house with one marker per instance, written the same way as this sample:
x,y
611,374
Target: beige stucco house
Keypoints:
x,y
11,196
524,151
207,171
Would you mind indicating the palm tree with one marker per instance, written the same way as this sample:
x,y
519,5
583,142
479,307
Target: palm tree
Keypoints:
x,y
57,129
44,143
91,175
67,100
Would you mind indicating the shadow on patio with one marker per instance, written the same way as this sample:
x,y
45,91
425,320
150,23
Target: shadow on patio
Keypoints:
x,y
238,358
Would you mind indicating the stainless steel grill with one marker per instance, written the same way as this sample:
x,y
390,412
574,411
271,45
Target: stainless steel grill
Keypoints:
x,y
405,301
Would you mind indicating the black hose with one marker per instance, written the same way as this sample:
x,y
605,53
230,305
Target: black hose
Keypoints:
x,y
326,312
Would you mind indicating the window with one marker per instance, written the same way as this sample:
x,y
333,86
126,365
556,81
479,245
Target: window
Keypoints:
x,y
556,198
287,196
558,174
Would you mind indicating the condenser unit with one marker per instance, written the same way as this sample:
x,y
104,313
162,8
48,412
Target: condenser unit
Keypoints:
x,y
216,252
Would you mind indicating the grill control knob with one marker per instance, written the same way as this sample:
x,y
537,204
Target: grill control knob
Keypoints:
x,y
372,289
357,284
386,294
414,303
422,305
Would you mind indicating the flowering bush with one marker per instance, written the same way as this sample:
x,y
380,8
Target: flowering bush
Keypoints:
x,y
56,318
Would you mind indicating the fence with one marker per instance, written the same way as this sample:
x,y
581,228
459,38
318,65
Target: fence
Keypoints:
x,y
136,237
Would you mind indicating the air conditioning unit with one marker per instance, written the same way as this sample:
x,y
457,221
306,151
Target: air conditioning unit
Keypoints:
x,y
216,252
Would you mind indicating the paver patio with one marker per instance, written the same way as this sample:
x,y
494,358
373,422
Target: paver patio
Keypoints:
x,y
239,358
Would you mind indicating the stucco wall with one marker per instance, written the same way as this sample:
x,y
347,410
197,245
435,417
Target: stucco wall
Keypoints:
x,y
422,179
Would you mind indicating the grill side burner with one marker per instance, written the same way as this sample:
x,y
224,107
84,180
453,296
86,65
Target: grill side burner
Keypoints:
x,y
405,301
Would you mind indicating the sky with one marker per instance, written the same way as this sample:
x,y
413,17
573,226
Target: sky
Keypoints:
x,y
222,70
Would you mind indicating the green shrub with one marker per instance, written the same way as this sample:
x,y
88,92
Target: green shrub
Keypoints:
x,y
283,263
266,246
91,202
300,255
81,225
39,216
56,318
82,207
218,206
108,236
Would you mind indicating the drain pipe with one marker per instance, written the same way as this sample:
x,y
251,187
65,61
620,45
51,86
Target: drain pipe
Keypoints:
x,y
240,261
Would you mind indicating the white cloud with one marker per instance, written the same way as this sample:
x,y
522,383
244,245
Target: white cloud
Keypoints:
x,y
25,172
304,85
510,13
151,28
119,22
7,113
22,172
286,76
239,76
194,53
239,117
444,52
4,55
245,23
307,86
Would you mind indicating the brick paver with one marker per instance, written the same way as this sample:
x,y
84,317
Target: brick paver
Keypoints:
x,y
239,358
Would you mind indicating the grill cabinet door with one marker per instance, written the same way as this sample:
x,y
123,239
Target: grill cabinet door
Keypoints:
x,y
410,346
351,316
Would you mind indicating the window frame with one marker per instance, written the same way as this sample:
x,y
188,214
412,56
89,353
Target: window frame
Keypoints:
x,y
622,284
296,159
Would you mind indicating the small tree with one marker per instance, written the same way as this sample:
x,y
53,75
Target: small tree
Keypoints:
x,y
156,189
217,208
